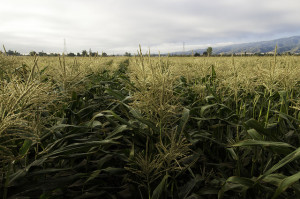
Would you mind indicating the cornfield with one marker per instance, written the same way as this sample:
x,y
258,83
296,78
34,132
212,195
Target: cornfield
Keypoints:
x,y
149,127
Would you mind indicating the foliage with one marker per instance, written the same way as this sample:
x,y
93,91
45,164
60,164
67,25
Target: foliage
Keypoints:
x,y
42,54
13,53
209,51
149,127
32,53
196,55
127,54
84,53
71,55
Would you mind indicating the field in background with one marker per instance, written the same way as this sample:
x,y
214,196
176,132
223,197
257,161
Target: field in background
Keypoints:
x,y
149,127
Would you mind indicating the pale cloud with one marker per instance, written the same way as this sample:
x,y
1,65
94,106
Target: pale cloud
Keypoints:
x,y
116,26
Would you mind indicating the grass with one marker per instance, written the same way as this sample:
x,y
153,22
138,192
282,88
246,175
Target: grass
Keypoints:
x,y
144,127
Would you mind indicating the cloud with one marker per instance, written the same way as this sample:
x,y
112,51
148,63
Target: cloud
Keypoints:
x,y
116,26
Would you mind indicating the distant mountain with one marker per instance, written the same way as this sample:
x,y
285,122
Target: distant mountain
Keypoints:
x,y
290,44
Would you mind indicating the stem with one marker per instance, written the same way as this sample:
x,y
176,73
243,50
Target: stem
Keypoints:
x,y
149,191
6,181
267,116
253,161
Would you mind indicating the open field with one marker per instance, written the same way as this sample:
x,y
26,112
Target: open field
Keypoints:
x,y
149,127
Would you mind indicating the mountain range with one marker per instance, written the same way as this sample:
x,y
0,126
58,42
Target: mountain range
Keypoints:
x,y
290,44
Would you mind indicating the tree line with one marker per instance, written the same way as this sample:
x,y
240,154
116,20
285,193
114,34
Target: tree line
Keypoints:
x,y
85,53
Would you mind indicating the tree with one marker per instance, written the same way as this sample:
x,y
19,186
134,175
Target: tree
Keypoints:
x,y
15,53
84,53
93,54
209,51
42,53
54,54
71,55
205,53
287,53
127,54
32,53
196,55
104,54
78,55
10,52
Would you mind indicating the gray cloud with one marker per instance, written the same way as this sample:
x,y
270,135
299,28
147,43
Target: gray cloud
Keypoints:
x,y
116,26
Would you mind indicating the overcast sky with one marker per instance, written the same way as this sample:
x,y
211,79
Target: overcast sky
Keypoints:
x,y
116,26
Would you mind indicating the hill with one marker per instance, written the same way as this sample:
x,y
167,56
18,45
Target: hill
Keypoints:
x,y
290,44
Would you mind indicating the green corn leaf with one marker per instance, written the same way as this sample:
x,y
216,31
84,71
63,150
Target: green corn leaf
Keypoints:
x,y
237,184
139,117
274,179
25,147
183,120
205,108
285,183
117,130
253,124
188,187
118,117
287,159
22,172
232,153
262,143
94,175
160,188
254,134
117,94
